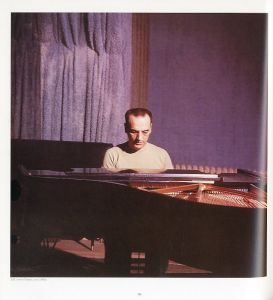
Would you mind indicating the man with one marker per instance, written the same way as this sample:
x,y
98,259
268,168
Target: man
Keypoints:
x,y
137,153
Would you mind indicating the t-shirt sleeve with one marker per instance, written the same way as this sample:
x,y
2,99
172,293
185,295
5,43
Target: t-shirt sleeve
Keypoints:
x,y
168,162
108,160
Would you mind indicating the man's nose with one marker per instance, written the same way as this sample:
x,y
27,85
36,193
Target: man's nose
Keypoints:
x,y
139,136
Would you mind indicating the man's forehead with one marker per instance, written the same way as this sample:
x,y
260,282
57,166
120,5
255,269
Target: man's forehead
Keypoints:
x,y
140,118
140,122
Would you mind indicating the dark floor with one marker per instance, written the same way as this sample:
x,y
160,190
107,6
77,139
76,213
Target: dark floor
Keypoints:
x,y
75,259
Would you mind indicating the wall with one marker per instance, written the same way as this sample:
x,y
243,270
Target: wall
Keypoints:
x,y
206,88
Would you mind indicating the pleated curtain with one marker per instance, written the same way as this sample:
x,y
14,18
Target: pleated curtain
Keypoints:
x,y
71,76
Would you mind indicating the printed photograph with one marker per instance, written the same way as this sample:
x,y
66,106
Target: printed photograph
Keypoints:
x,y
138,145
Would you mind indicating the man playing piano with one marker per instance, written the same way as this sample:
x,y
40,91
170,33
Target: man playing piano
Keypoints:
x,y
136,154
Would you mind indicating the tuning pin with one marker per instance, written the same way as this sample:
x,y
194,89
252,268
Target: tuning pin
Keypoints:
x,y
225,170
212,170
206,169
201,169
218,170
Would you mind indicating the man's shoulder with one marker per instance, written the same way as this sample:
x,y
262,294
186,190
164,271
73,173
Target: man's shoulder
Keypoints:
x,y
116,149
153,147
164,156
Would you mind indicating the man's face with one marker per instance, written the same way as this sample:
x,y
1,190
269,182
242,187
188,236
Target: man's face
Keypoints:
x,y
138,131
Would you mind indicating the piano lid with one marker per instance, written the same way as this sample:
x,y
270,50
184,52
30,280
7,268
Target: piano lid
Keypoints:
x,y
140,175
155,175
123,175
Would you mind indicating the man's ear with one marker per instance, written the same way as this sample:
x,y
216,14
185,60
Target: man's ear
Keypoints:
x,y
125,128
151,126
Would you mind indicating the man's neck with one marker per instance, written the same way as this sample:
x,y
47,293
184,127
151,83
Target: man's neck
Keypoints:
x,y
128,149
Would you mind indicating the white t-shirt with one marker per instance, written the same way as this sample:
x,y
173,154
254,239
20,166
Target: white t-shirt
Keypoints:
x,y
148,157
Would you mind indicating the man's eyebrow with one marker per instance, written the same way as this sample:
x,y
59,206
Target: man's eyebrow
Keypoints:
x,y
132,129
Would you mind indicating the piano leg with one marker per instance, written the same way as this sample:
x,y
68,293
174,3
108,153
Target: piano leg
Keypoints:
x,y
156,263
117,257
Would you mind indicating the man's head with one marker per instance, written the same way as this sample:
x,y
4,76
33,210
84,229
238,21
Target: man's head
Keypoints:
x,y
138,126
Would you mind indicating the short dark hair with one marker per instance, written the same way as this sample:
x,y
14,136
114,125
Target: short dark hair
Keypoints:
x,y
138,111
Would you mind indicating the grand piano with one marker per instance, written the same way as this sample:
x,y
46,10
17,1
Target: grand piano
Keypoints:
x,y
216,222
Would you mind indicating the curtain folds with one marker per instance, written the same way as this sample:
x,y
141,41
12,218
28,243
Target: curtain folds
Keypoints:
x,y
71,76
